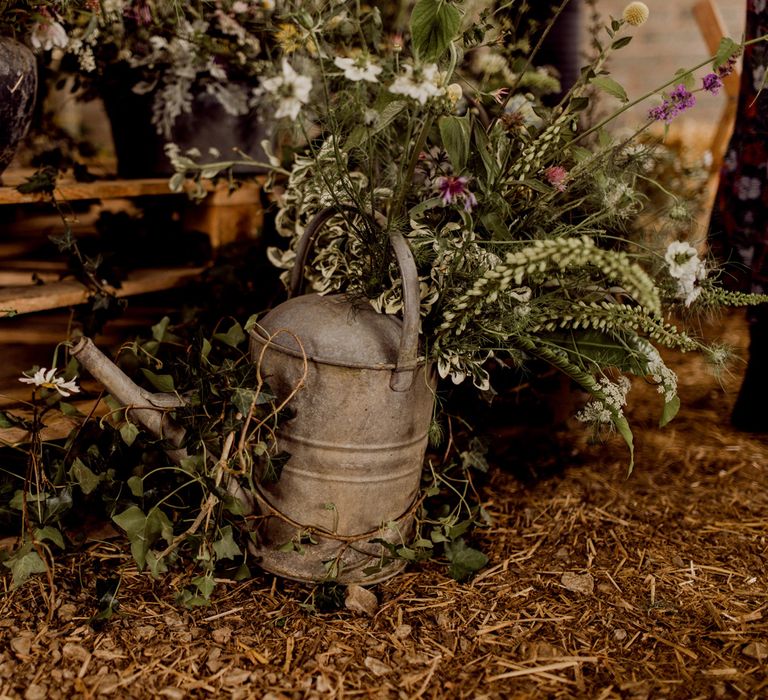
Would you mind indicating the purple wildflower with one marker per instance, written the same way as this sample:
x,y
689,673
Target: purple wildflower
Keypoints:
x,y
453,189
678,101
712,82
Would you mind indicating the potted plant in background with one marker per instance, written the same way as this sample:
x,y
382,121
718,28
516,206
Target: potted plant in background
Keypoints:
x,y
26,27
174,72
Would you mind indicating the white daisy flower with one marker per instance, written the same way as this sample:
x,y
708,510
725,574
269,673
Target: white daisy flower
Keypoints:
x,y
48,380
291,88
421,84
356,69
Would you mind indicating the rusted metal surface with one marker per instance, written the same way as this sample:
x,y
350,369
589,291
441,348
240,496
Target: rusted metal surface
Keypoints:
x,y
357,432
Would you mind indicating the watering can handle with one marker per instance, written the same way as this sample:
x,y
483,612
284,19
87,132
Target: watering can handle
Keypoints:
x,y
405,367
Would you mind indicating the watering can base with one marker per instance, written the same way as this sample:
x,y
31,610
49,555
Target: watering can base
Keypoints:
x,y
310,567
362,562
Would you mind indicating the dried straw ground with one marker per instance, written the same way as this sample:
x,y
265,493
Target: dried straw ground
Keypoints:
x,y
598,587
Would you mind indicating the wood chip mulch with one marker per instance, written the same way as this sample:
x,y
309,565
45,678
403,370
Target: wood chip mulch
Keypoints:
x,y
598,586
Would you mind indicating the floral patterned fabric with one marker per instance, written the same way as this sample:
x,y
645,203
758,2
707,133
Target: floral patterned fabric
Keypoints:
x,y
739,226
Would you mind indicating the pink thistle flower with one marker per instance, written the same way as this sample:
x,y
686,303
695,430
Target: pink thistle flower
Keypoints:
x,y
453,189
556,175
396,42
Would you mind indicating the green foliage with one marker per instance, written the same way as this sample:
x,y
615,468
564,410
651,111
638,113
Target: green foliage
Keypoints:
x,y
434,24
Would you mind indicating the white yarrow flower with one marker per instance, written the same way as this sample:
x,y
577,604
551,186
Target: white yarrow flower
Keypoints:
x,y
686,269
291,89
48,380
356,69
421,84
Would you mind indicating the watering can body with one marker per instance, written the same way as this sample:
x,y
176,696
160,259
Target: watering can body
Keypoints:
x,y
356,435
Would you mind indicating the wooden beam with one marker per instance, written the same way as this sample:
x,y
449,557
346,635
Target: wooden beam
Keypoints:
x,y
31,298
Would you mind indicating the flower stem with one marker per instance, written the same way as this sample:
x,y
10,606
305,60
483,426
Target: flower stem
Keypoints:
x,y
651,93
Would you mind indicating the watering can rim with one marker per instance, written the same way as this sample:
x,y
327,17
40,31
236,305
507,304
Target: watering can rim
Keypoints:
x,y
259,335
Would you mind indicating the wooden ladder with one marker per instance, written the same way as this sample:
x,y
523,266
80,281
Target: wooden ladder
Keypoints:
x,y
712,29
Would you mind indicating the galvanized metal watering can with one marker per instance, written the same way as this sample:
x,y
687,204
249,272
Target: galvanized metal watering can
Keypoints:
x,y
358,430
357,434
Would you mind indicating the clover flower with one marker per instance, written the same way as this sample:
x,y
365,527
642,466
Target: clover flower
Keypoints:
x,y
636,13
453,189
48,380
418,83
678,101
556,175
292,90
356,69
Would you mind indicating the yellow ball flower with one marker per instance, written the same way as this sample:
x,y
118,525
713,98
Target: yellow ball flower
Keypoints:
x,y
636,13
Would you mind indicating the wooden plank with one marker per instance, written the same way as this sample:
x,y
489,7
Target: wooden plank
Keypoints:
x,y
70,190
713,29
28,299
74,191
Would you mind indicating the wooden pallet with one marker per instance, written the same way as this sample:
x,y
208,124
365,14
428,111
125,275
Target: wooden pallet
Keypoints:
x,y
35,293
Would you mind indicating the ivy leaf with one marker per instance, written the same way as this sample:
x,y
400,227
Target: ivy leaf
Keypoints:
x,y
242,399
610,86
206,349
136,485
465,560
158,330
86,479
417,211
233,337
129,432
143,530
434,23
226,547
205,585
25,563
161,382
50,533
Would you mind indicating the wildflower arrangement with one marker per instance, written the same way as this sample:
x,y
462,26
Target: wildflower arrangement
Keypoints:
x,y
518,213
43,26
175,50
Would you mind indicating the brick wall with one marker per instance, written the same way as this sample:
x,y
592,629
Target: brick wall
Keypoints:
x,y
669,40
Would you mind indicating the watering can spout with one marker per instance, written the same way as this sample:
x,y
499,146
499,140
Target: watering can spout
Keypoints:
x,y
148,409
151,411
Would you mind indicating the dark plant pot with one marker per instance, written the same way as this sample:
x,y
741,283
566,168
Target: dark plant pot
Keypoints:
x,y
562,46
18,86
140,150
